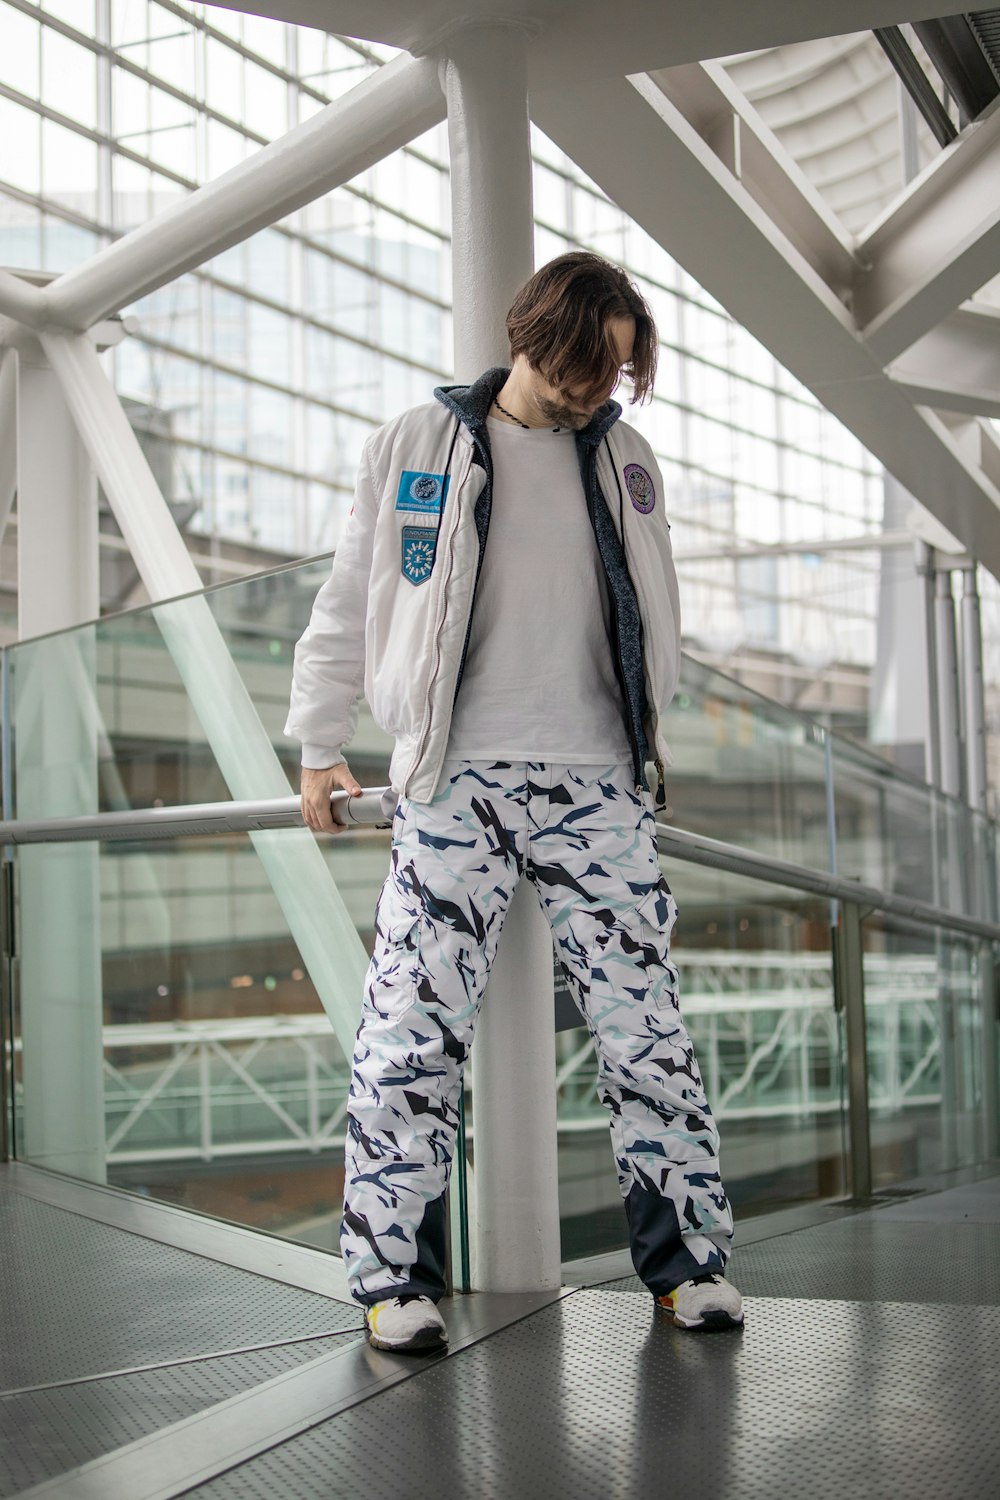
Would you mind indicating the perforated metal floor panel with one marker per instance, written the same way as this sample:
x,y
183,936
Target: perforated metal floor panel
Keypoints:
x,y
973,1203
51,1431
597,1395
82,1298
869,1259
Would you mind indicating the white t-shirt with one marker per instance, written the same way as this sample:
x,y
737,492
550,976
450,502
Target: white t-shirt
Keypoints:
x,y
539,682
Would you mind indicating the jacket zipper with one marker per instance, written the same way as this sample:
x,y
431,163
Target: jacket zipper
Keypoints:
x,y
660,800
488,466
592,487
414,764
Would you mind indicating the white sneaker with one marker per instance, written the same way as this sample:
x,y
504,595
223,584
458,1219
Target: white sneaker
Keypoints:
x,y
706,1301
402,1326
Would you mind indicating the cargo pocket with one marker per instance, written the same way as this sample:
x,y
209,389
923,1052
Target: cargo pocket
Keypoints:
x,y
630,957
656,914
396,960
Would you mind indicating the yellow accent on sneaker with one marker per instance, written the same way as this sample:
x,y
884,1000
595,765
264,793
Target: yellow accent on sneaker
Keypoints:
x,y
415,1324
694,1305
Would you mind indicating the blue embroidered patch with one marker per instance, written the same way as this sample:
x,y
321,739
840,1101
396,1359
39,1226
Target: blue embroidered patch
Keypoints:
x,y
419,490
640,488
419,547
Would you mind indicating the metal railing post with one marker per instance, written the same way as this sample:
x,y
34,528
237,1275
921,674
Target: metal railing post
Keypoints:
x,y
989,989
849,994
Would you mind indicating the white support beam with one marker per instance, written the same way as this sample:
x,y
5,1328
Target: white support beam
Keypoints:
x,y
590,39
55,753
402,100
955,367
313,907
21,301
672,183
988,452
936,245
8,435
730,126
513,1060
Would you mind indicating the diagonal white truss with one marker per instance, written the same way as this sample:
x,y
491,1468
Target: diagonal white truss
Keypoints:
x,y
935,246
956,366
711,185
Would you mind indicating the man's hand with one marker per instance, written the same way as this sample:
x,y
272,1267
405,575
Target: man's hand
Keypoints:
x,y
317,809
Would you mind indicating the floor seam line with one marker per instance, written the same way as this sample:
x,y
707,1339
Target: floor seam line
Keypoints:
x,y
103,1478
171,1364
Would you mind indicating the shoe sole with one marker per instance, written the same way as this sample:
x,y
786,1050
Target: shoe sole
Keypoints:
x,y
424,1341
710,1322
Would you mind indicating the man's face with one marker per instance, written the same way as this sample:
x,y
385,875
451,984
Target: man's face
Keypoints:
x,y
573,408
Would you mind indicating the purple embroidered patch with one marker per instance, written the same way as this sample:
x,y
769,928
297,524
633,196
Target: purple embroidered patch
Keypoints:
x,y
640,488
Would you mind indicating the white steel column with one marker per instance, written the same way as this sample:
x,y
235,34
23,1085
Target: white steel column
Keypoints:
x,y
949,717
492,231
514,1062
973,706
8,430
950,760
314,909
924,562
56,754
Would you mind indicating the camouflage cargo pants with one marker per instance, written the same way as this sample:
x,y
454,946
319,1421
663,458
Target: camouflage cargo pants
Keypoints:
x,y
585,838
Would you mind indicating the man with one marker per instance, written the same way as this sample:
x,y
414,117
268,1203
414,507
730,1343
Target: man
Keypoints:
x,y
522,727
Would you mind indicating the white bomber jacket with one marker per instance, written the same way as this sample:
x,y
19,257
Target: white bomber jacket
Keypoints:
x,y
393,619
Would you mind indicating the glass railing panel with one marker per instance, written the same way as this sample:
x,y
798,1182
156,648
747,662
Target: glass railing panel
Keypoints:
x,y
925,1017
103,719
756,985
133,738
746,770
905,837
218,1082
984,899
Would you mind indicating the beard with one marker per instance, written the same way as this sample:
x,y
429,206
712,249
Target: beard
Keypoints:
x,y
562,416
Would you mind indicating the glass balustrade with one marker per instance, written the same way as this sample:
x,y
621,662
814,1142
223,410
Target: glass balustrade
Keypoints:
x,y
757,997
928,998
747,771
174,1039
222,1085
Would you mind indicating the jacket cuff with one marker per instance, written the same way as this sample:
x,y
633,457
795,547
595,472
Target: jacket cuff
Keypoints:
x,y
321,757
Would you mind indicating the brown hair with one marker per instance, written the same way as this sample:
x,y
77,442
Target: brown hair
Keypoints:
x,y
560,321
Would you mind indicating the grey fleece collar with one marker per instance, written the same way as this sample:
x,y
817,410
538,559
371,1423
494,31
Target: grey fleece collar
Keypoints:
x,y
471,404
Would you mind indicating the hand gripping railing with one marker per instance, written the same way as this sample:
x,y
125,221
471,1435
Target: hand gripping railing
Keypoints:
x,y
372,809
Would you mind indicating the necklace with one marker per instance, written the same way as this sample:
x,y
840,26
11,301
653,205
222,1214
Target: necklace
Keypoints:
x,y
510,414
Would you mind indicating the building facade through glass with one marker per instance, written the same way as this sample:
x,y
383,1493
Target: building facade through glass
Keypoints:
x,y
261,372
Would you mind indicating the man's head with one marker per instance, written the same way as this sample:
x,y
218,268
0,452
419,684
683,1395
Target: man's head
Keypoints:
x,y
575,328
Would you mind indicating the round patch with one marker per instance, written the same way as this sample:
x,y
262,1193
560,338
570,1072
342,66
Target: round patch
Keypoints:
x,y
425,487
640,488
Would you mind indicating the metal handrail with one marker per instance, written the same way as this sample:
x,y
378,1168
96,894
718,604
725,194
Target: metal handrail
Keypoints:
x,y
194,820
373,807
697,849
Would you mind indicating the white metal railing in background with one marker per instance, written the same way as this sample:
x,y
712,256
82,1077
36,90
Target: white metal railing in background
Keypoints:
x,y
273,1085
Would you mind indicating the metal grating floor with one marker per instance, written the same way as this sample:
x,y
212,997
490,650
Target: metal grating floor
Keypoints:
x,y
109,1336
63,1426
597,1395
82,1299
867,1366
870,1258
